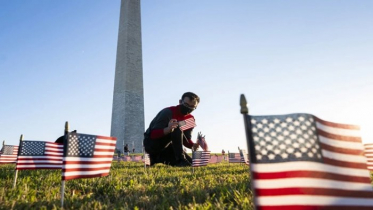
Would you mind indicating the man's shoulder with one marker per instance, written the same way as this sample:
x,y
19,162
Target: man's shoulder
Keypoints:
x,y
165,112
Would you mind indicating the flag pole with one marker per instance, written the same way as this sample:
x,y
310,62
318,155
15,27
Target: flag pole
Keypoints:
x,y
192,160
19,149
229,163
63,181
245,112
143,152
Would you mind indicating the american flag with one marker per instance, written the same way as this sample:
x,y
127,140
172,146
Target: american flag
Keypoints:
x,y
127,158
147,159
200,158
136,158
244,157
8,154
215,159
87,156
189,123
39,155
202,142
299,161
234,157
369,155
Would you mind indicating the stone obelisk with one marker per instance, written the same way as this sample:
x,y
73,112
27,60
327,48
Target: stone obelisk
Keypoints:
x,y
127,121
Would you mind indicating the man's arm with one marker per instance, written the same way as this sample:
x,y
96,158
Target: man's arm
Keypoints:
x,y
159,125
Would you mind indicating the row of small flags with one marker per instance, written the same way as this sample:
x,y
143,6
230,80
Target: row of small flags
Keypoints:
x,y
49,155
79,156
82,156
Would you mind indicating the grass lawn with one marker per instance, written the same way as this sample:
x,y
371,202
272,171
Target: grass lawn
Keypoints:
x,y
130,186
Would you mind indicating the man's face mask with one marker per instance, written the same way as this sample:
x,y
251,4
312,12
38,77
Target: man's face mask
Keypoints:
x,y
186,109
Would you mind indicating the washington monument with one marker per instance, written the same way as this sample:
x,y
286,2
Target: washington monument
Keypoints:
x,y
127,120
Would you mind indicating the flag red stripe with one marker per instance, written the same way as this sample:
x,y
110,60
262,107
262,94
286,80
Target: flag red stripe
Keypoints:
x,y
43,163
104,150
312,174
344,163
342,150
84,176
312,207
337,125
85,169
35,168
313,191
106,137
338,137
86,162
52,155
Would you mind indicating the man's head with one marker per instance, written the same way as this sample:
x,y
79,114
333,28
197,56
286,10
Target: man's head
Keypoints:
x,y
188,102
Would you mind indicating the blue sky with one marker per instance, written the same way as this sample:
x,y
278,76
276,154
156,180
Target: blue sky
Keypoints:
x,y
57,63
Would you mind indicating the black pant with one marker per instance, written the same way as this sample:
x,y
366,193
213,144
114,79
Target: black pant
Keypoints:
x,y
168,149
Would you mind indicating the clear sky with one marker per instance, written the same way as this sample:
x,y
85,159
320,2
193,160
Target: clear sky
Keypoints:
x,y
57,63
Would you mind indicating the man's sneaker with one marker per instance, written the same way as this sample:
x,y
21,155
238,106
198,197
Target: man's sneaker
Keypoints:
x,y
153,159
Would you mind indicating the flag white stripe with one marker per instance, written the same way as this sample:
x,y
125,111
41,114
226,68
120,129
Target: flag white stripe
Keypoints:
x,y
40,161
342,144
308,166
54,145
103,153
311,182
313,200
105,147
54,150
338,131
344,157
106,141
86,166
87,159
52,153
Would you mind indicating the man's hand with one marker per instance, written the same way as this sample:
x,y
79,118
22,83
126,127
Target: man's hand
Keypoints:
x,y
195,147
171,126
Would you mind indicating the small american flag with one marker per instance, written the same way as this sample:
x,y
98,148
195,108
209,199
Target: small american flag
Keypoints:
x,y
40,155
8,154
369,155
136,158
87,156
147,159
202,142
200,158
189,123
244,157
234,158
299,161
215,159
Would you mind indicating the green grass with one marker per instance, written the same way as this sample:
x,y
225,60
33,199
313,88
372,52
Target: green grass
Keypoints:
x,y
130,186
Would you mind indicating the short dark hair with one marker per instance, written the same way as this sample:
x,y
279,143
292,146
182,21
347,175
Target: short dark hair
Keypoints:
x,y
190,95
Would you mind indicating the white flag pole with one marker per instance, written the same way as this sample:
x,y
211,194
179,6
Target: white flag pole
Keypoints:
x,y
64,145
19,150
